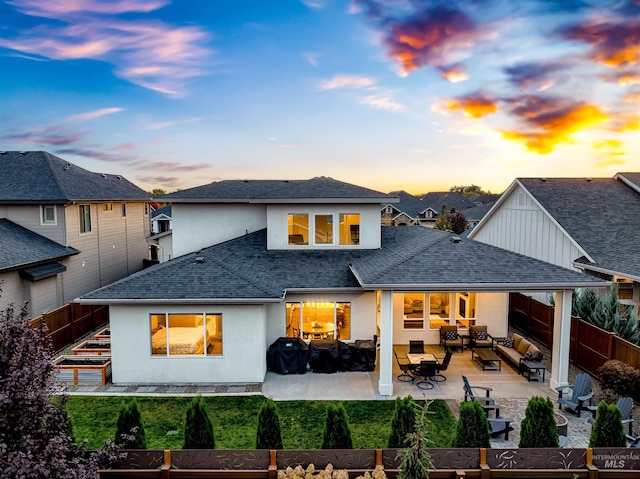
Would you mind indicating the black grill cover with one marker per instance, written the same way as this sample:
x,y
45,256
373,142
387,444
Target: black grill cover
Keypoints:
x,y
288,356
363,355
329,356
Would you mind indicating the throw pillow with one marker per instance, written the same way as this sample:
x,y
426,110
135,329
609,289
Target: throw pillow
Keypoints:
x,y
537,356
528,356
481,335
508,342
450,335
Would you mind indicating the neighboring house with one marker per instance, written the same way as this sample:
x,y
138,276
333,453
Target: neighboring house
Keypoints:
x,y
586,224
99,220
434,201
403,211
257,260
161,241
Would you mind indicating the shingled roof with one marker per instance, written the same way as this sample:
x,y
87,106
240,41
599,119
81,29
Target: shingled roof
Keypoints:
x,y
243,269
20,247
260,191
38,177
601,214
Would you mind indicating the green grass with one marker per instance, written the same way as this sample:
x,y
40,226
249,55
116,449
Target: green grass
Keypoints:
x,y
235,420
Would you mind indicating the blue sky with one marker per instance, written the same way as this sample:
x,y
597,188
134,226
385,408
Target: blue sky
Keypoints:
x,y
416,95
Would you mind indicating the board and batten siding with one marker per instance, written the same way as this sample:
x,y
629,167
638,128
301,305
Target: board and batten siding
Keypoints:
x,y
521,226
29,217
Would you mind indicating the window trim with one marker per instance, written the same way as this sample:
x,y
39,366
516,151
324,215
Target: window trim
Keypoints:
x,y
168,354
299,320
43,220
123,210
82,224
107,207
335,218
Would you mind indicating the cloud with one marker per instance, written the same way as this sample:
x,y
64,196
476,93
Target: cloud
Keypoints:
x,y
348,81
476,105
50,135
96,113
311,58
533,76
170,166
167,181
149,53
625,77
315,4
633,96
381,102
613,43
454,73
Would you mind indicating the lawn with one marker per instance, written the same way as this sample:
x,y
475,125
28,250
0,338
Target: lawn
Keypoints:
x,y
235,420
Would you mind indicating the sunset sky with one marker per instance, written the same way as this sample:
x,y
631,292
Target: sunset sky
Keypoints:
x,y
388,94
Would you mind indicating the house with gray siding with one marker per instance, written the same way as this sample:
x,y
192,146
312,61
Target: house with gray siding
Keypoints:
x,y
257,260
100,220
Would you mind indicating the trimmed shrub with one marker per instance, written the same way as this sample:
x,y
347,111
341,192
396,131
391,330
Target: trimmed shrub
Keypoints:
x,y
198,430
403,422
608,430
619,377
129,427
539,428
336,433
473,427
268,435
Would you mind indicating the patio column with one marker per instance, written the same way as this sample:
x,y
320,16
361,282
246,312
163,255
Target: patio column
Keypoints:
x,y
385,382
561,339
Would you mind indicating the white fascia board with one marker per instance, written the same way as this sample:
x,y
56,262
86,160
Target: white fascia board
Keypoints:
x,y
487,287
179,301
599,269
379,201
627,182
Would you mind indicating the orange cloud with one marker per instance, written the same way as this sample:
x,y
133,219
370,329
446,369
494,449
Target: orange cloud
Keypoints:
x,y
614,44
474,106
633,96
454,73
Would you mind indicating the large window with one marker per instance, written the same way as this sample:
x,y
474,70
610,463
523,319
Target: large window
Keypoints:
x,y
298,229
85,218
186,334
414,310
319,320
324,229
349,229
48,215
439,310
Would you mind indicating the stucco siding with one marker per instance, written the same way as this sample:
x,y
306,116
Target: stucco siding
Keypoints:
x,y
13,290
197,226
277,220
29,217
520,225
244,339
44,295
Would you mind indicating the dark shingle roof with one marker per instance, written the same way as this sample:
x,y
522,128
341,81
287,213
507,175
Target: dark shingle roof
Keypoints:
x,y
601,214
452,199
409,204
20,247
243,269
40,177
632,178
166,210
264,190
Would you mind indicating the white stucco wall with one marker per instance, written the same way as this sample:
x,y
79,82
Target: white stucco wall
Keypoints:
x,y
244,347
278,233
197,226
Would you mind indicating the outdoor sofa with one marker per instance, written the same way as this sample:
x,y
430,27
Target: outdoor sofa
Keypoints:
x,y
517,349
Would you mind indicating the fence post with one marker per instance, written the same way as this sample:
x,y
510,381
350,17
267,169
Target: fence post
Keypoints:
x,y
485,471
165,469
273,464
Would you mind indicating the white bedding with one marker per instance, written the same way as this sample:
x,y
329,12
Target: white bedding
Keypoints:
x,y
181,341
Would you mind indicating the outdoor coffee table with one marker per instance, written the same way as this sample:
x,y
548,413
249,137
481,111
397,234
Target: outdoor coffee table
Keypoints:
x,y
529,367
487,358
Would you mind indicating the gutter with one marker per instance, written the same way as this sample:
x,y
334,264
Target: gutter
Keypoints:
x,y
140,301
583,266
486,287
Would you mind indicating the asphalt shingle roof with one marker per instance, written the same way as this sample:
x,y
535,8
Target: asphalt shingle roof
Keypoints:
x,y
315,188
452,199
20,247
601,214
165,210
243,268
409,204
38,177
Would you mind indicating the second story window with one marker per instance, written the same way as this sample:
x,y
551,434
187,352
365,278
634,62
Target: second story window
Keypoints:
x,y
324,229
85,218
48,215
124,210
349,229
298,229
107,207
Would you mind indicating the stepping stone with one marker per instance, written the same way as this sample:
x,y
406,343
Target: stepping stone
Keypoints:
x,y
116,389
236,389
146,389
87,389
206,389
176,390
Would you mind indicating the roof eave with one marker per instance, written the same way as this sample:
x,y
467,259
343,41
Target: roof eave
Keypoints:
x,y
600,269
31,264
132,301
485,287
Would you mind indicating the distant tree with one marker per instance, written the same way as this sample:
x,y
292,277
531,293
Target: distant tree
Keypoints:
x,y
442,223
403,422
607,430
269,435
35,431
539,428
198,430
473,427
157,192
457,222
129,428
337,432
468,190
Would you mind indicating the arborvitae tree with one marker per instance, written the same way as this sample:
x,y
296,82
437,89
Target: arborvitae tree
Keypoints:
x,y
539,428
35,439
442,223
129,427
336,433
415,459
473,427
198,430
607,430
268,435
403,422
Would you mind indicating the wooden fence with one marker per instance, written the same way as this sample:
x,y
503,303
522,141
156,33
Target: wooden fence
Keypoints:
x,y
70,322
590,346
557,463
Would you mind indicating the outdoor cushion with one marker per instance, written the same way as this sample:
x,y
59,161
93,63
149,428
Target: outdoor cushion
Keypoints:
x,y
450,335
508,342
481,335
516,340
523,346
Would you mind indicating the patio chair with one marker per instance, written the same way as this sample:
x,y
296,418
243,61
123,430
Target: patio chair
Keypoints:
x,y
581,393
625,405
500,425
443,366
479,337
449,337
426,371
416,347
405,367
487,402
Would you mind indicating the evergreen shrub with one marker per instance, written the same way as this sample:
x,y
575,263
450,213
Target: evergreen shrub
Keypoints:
x,y
269,435
129,427
337,432
539,428
607,430
198,430
403,422
473,427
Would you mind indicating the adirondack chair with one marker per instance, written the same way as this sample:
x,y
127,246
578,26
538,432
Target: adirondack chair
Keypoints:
x,y
487,402
625,405
501,425
581,393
